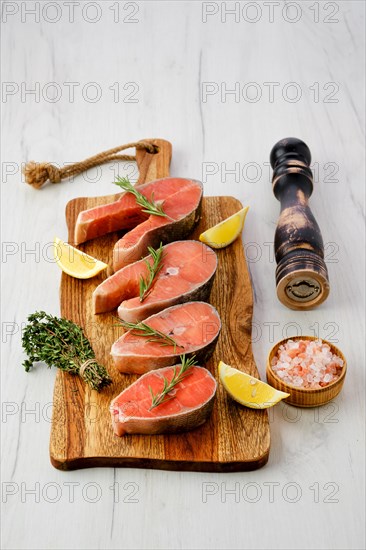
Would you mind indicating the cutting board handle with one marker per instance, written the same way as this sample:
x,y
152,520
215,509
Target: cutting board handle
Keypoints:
x,y
154,166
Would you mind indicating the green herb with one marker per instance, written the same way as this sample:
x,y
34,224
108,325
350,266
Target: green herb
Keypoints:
x,y
62,344
153,270
153,335
163,396
149,207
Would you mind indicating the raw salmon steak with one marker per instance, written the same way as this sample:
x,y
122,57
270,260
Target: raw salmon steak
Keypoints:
x,y
194,326
189,405
188,270
180,199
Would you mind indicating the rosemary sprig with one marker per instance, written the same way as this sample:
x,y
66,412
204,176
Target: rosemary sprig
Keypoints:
x,y
61,343
149,207
163,396
153,270
153,335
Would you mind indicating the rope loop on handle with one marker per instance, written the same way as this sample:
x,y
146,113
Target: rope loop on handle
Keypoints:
x,y
38,173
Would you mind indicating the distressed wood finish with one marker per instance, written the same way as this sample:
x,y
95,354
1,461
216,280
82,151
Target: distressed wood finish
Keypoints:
x,y
301,274
234,438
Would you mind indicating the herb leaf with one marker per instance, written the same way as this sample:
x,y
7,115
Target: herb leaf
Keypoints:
x,y
163,396
153,270
61,343
153,335
149,207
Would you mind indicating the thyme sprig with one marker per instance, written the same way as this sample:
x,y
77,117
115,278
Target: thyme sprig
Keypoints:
x,y
61,343
148,206
163,396
146,283
153,335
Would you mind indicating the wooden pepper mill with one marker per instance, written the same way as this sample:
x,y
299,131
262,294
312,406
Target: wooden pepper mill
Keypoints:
x,y
301,274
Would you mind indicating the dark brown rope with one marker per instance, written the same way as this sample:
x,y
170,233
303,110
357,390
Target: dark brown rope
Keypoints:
x,y
37,173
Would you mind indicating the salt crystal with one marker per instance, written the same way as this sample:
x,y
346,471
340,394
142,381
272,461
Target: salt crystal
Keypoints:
x,y
324,366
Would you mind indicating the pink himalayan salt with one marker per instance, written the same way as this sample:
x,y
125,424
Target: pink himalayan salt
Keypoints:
x,y
306,364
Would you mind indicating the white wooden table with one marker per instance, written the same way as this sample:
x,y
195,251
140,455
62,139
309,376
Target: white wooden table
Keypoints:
x,y
223,88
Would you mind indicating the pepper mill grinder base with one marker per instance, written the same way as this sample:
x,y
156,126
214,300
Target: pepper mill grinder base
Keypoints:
x,y
302,280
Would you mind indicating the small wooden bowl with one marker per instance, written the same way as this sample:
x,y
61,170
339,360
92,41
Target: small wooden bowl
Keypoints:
x,y
306,397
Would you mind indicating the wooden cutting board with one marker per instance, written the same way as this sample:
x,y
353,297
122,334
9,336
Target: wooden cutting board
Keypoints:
x,y
235,438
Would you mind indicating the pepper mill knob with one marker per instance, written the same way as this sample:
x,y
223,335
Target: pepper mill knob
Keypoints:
x,y
301,274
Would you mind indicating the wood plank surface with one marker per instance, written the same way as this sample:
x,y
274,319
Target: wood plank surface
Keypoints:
x,y
235,438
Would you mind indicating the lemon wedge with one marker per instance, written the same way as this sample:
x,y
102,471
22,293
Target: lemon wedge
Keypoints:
x,y
74,262
247,390
225,232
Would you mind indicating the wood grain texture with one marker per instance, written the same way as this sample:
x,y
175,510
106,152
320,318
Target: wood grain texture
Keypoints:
x,y
153,167
234,438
